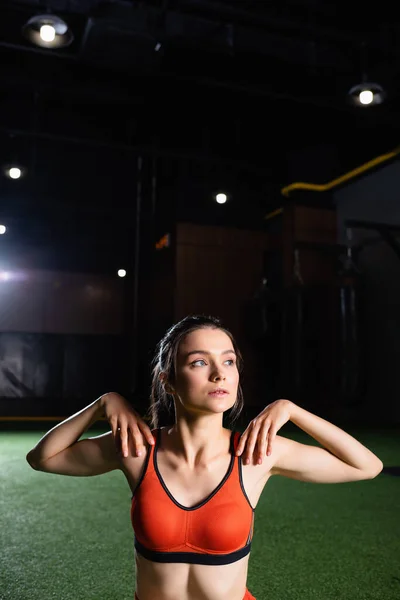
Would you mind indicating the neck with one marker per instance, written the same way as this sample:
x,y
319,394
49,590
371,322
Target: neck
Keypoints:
x,y
198,443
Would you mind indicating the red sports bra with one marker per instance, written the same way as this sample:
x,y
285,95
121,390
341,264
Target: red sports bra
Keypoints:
x,y
217,531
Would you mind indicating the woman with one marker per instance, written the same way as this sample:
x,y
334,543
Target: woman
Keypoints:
x,y
196,484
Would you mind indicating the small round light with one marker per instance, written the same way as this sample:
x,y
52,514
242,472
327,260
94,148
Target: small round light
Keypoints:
x,y
366,97
221,198
3,229
47,33
14,173
121,273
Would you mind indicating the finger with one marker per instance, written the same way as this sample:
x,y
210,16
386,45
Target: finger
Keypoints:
x,y
146,431
271,439
124,438
263,438
137,436
242,442
251,442
114,429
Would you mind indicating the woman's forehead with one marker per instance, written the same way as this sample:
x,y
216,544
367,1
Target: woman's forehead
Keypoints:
x,y
209,340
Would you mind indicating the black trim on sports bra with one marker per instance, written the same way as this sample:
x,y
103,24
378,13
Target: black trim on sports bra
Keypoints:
x,y
192,557
146,462
200,504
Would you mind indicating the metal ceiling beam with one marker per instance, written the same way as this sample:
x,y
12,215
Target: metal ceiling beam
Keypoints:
x,y
229,12
147,150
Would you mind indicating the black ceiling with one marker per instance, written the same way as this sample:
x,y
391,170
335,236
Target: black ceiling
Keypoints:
x,y
247,95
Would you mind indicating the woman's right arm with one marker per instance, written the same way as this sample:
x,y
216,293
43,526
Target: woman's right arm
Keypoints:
x,y
59,450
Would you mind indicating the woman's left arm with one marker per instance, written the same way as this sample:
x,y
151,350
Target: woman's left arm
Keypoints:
x,y
337,441
342,457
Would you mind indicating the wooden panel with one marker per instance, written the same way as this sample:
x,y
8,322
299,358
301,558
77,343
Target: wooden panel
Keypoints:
x,y
224,237
314,225
303,224
217,271
317,266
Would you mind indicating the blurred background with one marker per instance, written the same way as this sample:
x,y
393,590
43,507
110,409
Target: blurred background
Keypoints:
x,y
166,158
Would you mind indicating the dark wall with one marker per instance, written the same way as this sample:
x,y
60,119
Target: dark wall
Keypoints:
x,y
374,198
62,340
39,301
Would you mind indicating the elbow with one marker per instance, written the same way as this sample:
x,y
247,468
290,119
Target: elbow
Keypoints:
x,y
31,461
378,469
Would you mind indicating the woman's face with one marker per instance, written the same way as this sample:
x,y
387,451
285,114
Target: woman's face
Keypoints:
x,y
206,362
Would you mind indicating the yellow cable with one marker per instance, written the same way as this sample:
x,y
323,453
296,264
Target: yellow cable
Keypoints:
x,y
328,186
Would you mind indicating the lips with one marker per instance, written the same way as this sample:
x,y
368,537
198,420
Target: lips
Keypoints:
x,y
218,392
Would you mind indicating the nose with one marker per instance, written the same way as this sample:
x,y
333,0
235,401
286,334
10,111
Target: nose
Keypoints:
x,y
218,375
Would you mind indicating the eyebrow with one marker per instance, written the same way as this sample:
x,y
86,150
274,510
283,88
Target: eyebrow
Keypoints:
x,y
208,353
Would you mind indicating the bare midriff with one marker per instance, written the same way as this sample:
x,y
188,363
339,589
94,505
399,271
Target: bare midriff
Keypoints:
x,y
170,581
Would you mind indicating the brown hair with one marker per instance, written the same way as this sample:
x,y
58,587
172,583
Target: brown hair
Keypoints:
x,y
161,410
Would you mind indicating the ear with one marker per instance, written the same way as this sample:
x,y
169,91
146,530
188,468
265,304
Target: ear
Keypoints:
x,y
167,387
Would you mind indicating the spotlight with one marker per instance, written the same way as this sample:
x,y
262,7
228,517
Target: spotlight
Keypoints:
x,y
3,229
14,171
221,198
121,273
48,31
367,94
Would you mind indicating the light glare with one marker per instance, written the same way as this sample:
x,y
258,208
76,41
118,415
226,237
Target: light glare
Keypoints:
x,y
14,173
3,229
47,33
121,273
366,97
221,198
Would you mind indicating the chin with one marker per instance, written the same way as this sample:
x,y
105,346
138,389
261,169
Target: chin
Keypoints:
x,y
226,402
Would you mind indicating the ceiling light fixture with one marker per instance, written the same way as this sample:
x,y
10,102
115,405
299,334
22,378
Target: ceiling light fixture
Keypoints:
x,y
48,31
366,93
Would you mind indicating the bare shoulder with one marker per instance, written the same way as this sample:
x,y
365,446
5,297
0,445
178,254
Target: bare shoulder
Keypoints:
x,y
279,447
133,466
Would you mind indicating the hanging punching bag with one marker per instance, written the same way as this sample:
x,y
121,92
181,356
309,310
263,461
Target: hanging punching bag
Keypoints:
x,y
350,376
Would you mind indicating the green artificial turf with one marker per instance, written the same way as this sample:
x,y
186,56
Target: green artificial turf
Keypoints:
x,y
70,538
